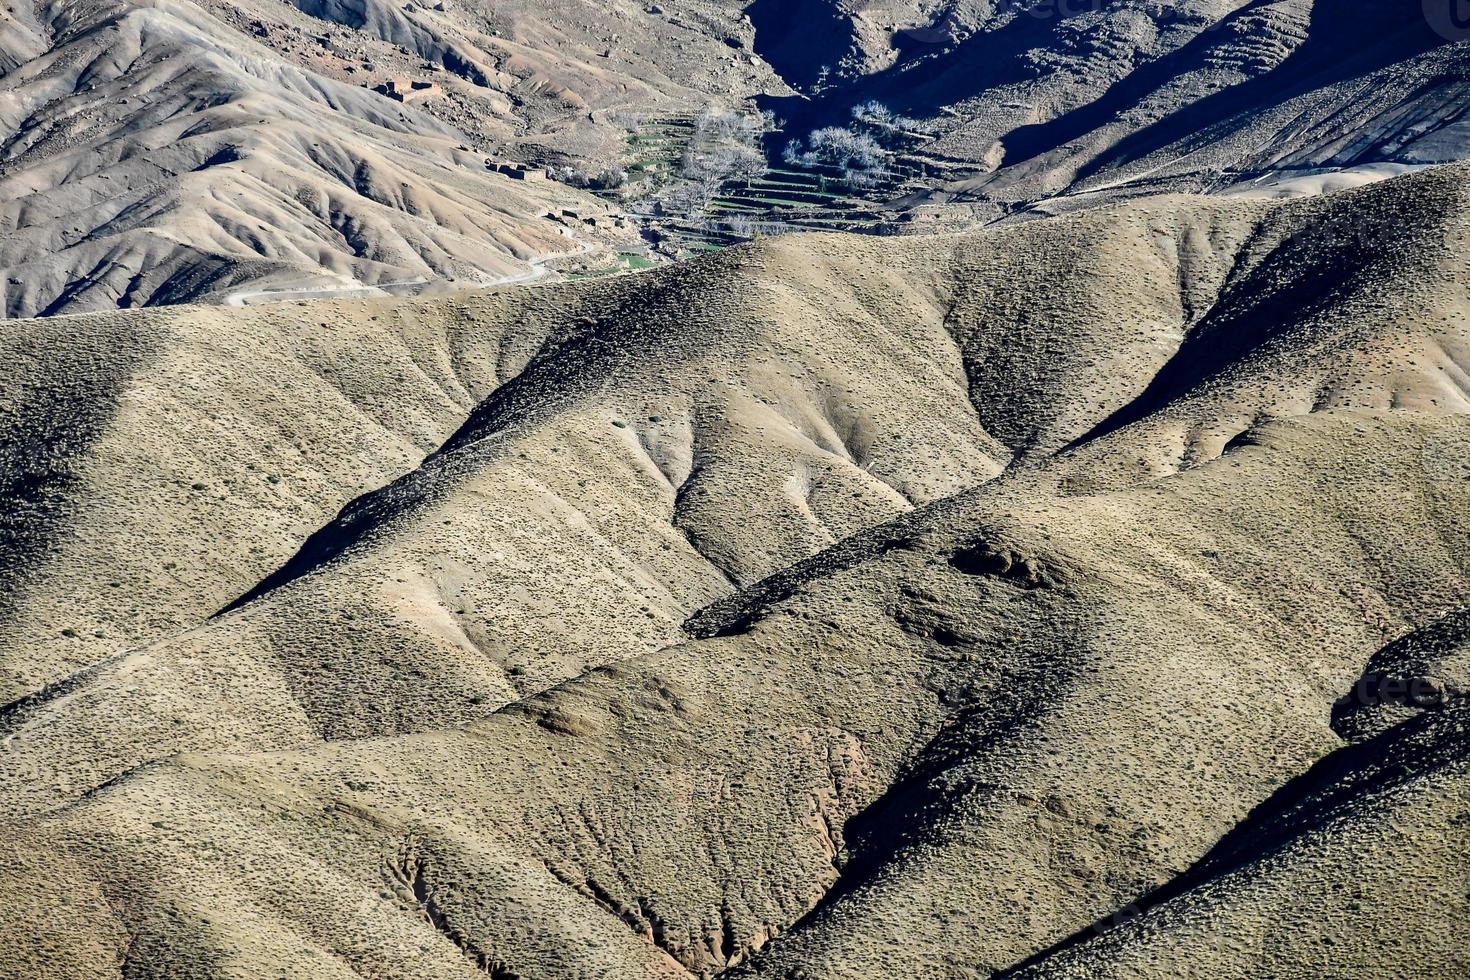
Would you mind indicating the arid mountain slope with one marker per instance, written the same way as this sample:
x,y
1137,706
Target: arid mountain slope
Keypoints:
x,y
167,151
153,155
1095,101
161,152
1266,92
825,378
1294,878
1033,566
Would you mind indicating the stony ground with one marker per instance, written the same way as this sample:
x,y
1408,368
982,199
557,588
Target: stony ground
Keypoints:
x,y
1079,598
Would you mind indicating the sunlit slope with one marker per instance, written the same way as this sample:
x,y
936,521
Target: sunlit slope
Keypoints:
x,y
1013,711
155,154
829,606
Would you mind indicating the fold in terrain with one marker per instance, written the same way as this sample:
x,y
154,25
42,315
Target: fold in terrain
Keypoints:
x,y
826,607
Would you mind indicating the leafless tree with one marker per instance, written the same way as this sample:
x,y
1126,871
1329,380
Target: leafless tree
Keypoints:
x,y
724,146
859,158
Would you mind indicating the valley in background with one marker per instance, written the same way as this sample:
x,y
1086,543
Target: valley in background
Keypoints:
x,y
1034,544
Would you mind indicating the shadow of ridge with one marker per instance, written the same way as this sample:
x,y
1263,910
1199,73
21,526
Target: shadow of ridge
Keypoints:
x,y
800,38
1026,143
739,612
361,517
1398,31
352,524
1319,259
587,342
55,418
1386,678
1015,697
1327,789
927,77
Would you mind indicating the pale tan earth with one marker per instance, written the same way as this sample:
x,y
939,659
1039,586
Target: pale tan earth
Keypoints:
x,y
1037,601
165,151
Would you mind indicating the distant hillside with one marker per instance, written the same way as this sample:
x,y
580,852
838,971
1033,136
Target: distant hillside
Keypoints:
x,y
1092,101
167,152
171,152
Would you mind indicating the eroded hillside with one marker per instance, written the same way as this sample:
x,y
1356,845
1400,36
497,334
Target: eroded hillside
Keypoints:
x,y
1029,601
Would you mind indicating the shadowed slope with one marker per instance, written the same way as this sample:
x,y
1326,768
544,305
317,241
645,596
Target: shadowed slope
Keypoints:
x,y
935,721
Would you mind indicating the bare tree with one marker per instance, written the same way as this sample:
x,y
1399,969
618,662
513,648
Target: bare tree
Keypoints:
x,y
885,124
873,113
628,119
724,146
858,157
